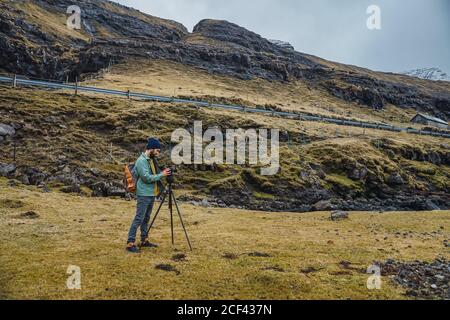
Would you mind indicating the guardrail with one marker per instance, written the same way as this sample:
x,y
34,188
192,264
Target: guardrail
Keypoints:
x,y
299,116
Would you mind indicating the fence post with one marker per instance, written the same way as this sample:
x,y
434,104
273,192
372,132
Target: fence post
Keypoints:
x,y
128,94
14,152
76,85
15,81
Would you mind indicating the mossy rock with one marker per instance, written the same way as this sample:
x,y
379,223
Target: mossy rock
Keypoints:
x,y
233,182
343,182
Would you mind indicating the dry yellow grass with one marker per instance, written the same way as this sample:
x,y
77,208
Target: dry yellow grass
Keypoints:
x,y
162,77
91,234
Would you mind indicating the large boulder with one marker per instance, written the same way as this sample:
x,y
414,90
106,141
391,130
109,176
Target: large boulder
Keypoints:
x,y
396,179
358,172
6,130
34,176
6,169
323,205
339,215
430,205
108,189
75,188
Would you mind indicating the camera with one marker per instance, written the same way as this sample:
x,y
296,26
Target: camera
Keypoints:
x,y
173,169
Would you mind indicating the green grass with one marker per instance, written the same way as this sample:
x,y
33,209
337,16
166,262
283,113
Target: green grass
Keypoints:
x,y
263,196
343,182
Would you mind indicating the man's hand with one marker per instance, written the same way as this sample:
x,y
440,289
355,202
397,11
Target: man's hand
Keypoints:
x,y
167,172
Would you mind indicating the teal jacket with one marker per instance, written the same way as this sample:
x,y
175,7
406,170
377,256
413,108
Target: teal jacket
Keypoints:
x,y
147,179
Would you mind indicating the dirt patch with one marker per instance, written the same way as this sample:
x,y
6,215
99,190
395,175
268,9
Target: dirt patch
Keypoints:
x,y
309,270
230,256
168,268
346,265
28,215
179,257
259,255
273,268
340,273
11,204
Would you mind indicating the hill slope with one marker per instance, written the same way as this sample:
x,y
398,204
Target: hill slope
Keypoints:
x,y
82,143
34,41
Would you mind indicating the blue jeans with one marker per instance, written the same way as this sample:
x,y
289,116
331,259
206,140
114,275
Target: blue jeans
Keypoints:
x,y
144,208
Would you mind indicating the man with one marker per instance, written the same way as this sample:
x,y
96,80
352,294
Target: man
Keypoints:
x,y
148,187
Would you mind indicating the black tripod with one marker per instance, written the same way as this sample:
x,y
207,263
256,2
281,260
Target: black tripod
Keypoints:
x,y
169,193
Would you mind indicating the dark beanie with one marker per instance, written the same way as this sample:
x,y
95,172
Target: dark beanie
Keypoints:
x,y
153,144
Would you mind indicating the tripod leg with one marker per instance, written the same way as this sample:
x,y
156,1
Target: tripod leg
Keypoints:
x,y
181,219
171,214
157,212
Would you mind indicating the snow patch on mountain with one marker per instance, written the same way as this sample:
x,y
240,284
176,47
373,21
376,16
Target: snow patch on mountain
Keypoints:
x,y
434,74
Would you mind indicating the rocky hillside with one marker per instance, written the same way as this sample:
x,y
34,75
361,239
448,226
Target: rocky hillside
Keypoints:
x,y
34,41
79,144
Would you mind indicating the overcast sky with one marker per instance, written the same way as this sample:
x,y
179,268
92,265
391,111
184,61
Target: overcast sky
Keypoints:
x,y
414,33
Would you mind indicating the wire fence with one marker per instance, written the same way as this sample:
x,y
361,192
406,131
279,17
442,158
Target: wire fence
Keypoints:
x,y
20,80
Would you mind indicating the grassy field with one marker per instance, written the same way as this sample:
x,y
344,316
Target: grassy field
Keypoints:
x,y
237,254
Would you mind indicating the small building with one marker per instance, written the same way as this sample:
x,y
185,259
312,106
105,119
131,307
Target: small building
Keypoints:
x,y
430,121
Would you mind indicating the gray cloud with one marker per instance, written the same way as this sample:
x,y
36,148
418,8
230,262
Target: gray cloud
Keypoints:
x,y
414,34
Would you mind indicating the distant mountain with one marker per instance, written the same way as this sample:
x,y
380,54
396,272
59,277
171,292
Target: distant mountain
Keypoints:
x,y
434,74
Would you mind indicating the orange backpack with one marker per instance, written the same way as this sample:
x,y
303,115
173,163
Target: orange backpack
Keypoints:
x,y
130,178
